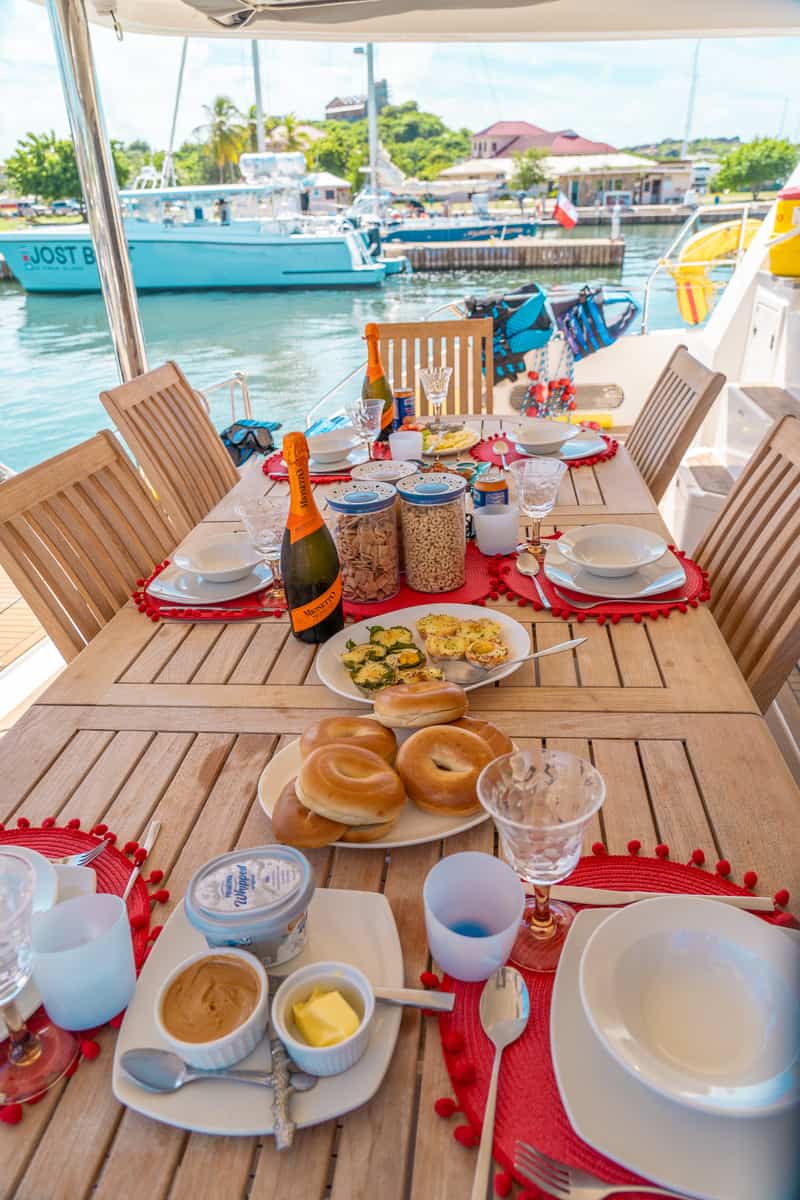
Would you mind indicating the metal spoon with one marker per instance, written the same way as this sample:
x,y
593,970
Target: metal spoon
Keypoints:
x,y
504,1009
162,1071
466,673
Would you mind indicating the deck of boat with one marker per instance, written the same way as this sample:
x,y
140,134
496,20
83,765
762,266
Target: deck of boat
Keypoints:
x,y
19,628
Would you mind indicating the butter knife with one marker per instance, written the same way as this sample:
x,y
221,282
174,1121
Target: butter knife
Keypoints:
x,y
153,830
590,895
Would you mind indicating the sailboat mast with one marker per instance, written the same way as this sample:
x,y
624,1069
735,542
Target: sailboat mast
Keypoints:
x,y
687,129
260,139
168,166
372,119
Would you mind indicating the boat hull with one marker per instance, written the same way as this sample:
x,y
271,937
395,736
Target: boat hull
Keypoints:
x,y
422,231
45,261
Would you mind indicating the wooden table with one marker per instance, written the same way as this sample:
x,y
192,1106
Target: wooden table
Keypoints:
x,y
178,721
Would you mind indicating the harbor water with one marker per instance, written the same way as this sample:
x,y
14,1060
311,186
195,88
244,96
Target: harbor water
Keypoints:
x,y
56,354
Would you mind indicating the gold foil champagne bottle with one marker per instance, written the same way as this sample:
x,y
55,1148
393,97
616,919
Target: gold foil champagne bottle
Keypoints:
x,y
376,385
309,562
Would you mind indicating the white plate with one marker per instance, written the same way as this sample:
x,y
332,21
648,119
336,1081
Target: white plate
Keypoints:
x,y
697,1001
431,451
217,557
334,676
705,1156
581,447
351,927
182,586
539,435
334,445
384,470
414,825
359,455
662,576
611,551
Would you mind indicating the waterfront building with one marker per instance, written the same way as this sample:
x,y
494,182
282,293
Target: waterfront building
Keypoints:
x,y
506,138
354,108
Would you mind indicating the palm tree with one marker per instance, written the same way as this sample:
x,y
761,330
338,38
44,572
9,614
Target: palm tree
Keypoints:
x,y
251,128
293,137
224,132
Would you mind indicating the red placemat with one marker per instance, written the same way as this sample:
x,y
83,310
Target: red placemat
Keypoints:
x,y
113,869
275,467
480,584
522,588
485,452
529,1104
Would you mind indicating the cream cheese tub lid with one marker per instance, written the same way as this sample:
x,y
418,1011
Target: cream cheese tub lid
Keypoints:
x,y
246,887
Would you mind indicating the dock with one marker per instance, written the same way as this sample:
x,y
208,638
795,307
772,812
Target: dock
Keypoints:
x,y
496,255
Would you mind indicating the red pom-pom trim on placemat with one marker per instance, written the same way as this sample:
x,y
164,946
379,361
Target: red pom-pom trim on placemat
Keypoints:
x,y
445,1107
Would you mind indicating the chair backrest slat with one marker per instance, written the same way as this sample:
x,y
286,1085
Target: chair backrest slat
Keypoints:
x,y
752,554
76,532
170,434
673,412
409,346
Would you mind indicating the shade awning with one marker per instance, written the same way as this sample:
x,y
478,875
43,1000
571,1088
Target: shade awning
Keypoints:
x,y
451,20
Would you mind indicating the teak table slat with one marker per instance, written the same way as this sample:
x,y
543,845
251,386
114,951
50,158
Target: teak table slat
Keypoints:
x,y
177,721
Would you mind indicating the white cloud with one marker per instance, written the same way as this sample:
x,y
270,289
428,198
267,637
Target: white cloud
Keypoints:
x,y
617,92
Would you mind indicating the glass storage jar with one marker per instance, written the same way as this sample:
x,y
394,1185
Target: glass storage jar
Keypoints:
x,y
364,527
433,530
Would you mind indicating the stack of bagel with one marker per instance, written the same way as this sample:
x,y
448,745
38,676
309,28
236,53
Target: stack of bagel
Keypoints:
x,y
353,779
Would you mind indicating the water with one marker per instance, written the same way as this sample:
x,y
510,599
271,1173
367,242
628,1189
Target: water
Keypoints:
x,y
471,929
56,355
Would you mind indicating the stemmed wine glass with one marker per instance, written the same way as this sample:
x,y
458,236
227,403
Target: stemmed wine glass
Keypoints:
x,y
538,481
436,381
365,417
264,518
31,1060
541,802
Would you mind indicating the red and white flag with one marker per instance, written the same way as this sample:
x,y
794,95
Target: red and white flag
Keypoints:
x,y
565,211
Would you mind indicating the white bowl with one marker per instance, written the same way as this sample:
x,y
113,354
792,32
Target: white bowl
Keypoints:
x,y
234,1046
356,989
697,1001
538,435
332,446
221,558
611,551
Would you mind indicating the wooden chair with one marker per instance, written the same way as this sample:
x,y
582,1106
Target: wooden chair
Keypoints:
x,y
466,346
76,532
752,554
169,432
672,414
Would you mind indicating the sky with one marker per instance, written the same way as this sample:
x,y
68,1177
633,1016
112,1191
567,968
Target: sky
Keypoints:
x,y
619,92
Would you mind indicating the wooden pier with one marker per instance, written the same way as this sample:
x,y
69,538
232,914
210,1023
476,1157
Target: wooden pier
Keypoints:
x,y
496,255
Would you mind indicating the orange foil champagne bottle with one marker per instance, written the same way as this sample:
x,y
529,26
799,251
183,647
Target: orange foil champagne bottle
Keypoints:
x,y
376,385
309,562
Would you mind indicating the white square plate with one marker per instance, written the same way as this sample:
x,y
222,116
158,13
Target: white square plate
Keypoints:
x,y
662,576
352,927
711,1157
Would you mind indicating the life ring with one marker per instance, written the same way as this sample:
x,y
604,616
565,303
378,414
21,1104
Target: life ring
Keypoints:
x,y
694,287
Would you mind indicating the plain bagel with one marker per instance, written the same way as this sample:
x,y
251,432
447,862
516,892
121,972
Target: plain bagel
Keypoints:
x,y
355,731
347,784
440,766
497,741
415,705
295,825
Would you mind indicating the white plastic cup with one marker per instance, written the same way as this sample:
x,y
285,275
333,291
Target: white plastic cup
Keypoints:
x,y
405,444
496,528
477,890
83,960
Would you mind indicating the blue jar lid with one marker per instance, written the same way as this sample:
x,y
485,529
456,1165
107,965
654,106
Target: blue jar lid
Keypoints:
x,y
432,487
361,496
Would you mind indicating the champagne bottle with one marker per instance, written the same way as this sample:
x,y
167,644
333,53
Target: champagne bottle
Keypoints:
x,y
376,385
309,562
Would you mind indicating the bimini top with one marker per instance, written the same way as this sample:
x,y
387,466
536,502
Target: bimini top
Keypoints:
x,y
451,20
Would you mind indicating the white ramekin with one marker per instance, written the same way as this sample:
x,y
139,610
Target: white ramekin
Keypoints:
x,y
224,1051
322,1060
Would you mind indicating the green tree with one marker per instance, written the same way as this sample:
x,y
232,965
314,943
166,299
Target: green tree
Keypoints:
x,y
251,128
528,169
44,165
224,133
293,136
755,164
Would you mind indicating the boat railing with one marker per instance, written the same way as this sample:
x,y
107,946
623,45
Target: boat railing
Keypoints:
x,y
670,258
237,386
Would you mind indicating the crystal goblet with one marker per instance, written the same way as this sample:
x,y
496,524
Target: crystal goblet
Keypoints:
x,y
365,417
436,381
538,481
264,518
541,802
34,1056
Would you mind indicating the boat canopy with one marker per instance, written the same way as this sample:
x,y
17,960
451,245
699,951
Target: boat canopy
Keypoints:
x,y
203,193
450,20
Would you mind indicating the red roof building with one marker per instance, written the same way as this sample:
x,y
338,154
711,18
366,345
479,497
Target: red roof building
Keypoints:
x,y
505,138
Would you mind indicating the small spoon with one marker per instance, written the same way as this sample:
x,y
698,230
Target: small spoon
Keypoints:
x,y
527,564
162,1071
466,673
504,1009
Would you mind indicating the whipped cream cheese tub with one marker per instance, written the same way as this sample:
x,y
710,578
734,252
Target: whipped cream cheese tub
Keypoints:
x,y
256,899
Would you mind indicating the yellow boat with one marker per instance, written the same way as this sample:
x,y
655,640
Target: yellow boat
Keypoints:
x,y
694,287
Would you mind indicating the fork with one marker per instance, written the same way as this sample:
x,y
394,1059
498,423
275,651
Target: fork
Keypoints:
x,y
614,600
83,859
568,1183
